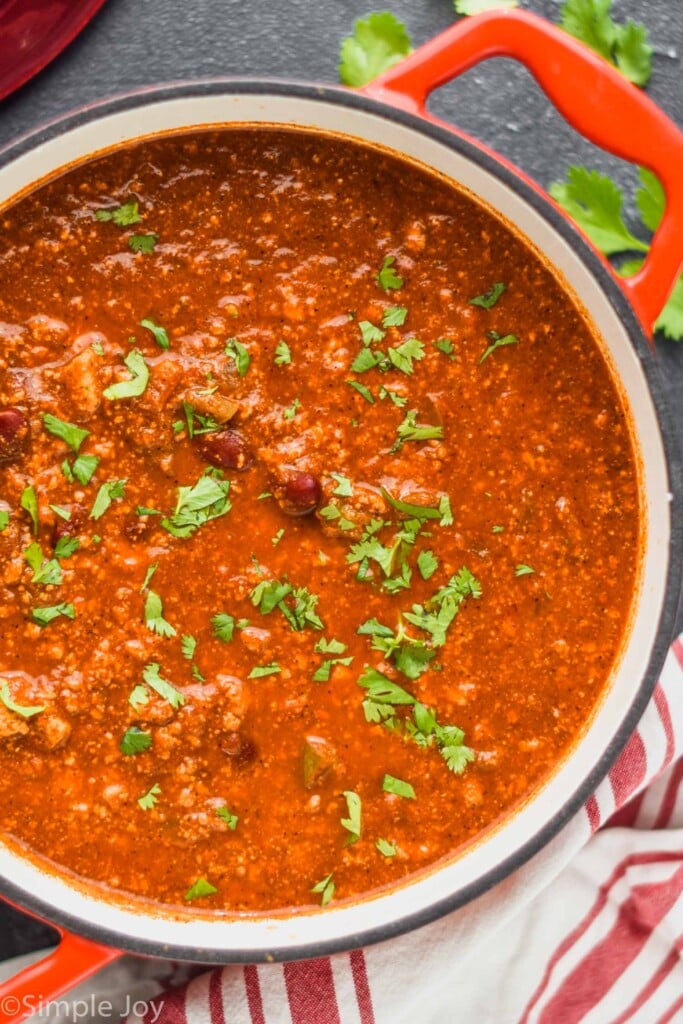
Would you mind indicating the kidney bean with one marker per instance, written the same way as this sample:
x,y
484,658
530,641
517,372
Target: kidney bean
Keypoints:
x,y
298,494
14,433
240,749
68,527
226,449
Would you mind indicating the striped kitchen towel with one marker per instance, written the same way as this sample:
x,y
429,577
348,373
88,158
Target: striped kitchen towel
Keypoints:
x,y
590,930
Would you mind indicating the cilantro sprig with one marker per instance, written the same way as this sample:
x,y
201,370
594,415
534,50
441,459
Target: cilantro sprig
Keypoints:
x,y
198,504
378,42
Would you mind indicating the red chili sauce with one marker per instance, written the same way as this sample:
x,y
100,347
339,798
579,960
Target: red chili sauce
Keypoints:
x,y
319,520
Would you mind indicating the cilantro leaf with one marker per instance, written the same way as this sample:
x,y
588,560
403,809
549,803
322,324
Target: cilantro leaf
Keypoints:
x,y
66,547
44,616
84,468
4,519
477,6
427,563
291,410
324,671
410,509
237,352
369,333
259,671
387,278
650,198
325,889
378,42
106,494
29,503
625,46
446,346
386,848
197,505
410,430
162,687
136,365
343,486
283,355
398,787
402,355
490,297
227,817
362,389
19,709
200,889
154,616
523,570
595,203
497,342
150,799
135,741
68,432
366,360
123,215
188,645
394,316
46,572
352,824
143,243
223,626
159,332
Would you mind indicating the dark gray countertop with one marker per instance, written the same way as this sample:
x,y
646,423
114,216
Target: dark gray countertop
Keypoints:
x,y
132,43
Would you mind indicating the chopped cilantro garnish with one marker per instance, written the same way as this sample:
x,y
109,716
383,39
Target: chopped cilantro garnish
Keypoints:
x,y
136,365
490,297
161,686
291,411
323,672
223,626
150,799
377,43
497,529
410,430
227,817
258,671
498,342
283,355
139,697
4,519
200,889
47,572
369,333
43,616
352,824
196,422
188,645
427,563
143,243
386,848
394,316
159,332
365,360
403,355
410,509
383,695
333,646
393,396
98,348
275,540
410,655
325,889
237,352
523,570
106,494
387,278
197,505
69,433
84,467
154,616
362,390
343,486
270,594
123,215
446,346
398,787
148,577
135,741
18,709
62,512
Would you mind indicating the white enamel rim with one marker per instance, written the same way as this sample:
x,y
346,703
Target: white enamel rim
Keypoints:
x,y
218,938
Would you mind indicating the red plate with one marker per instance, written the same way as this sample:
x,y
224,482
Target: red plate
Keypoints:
x,y
33,32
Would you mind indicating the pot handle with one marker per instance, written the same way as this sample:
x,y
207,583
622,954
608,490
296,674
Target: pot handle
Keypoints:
x,y
34,988
591,95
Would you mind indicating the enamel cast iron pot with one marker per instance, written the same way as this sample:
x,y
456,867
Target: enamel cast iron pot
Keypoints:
x,y
601,104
